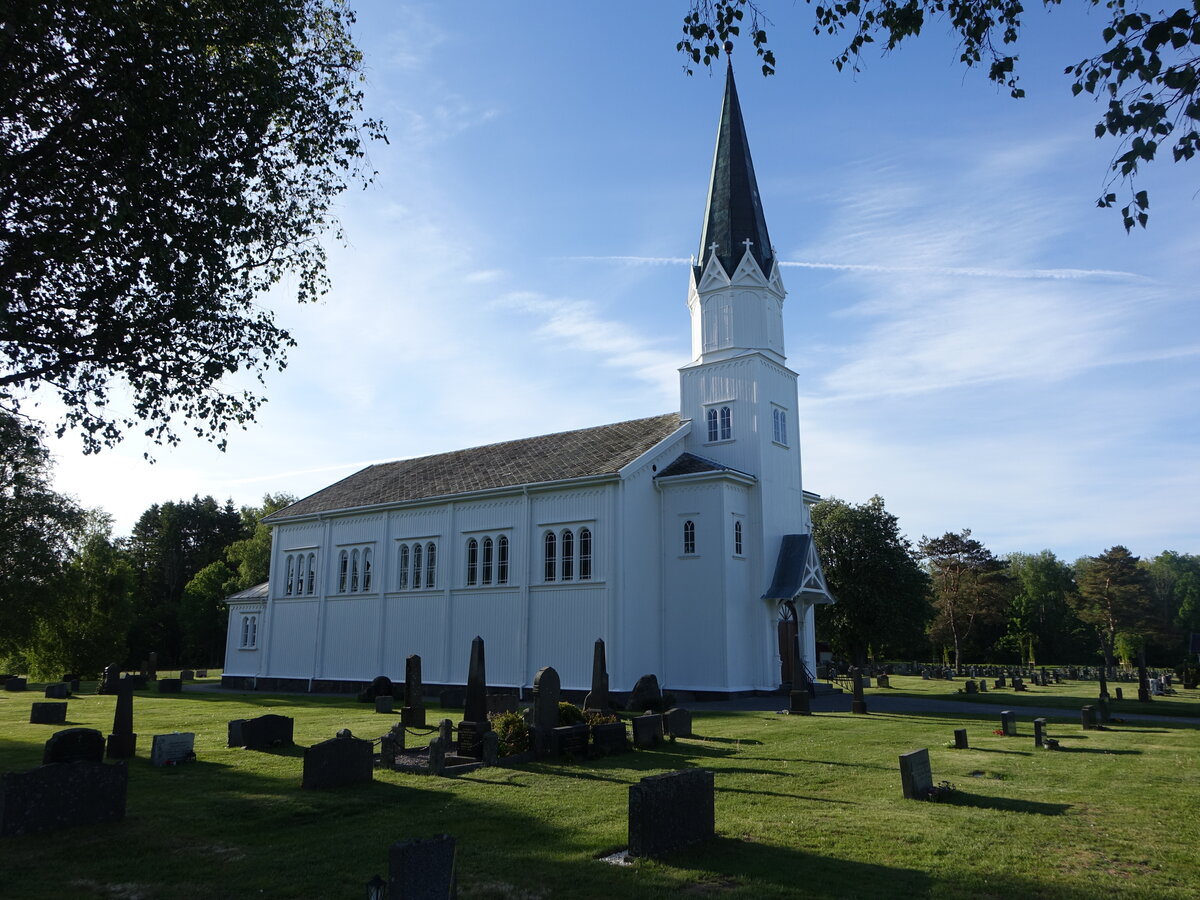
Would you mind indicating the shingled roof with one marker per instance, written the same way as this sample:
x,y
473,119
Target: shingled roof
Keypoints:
x,y
691,464
588,452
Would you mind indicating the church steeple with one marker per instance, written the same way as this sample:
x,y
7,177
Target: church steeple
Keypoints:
x,y
734,213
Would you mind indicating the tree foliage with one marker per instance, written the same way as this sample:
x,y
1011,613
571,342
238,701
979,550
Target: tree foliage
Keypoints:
x,y
881,590
1147,73
1041,623
161,165
970,586
1113,596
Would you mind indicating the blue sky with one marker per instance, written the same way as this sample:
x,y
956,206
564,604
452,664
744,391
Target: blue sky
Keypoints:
x,y
976,342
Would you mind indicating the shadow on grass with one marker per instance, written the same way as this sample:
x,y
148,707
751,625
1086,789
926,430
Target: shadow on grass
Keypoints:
x,y
994,750
725,790
979,801
1096,750
722,740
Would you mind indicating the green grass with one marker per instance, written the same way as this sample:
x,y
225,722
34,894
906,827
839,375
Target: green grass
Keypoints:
x,y
805,807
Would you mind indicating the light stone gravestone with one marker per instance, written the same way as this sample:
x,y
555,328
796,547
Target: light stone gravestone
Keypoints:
x,y
916,778
173,749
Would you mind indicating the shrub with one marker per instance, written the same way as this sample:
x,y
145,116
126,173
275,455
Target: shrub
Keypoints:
x,y
512,731
595,717
569,714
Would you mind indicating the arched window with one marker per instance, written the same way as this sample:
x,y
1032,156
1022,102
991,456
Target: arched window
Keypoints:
x,y
502,560
472,561
551,556
366,582
712,424
343,567
726,423
585,554
404,567
488,550
291,564
253,632
430,564
245,631
312,573
568,555
737,537
689,536
353,571
416,566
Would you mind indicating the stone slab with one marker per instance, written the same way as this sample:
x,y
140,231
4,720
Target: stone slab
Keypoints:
x,y
647,730
74,744
47,714
338,762
916,778
422,869
62,795
173,748
670,811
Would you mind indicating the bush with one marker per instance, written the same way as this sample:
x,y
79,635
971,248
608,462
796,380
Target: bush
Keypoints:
x,y
569,714
594,717
512,731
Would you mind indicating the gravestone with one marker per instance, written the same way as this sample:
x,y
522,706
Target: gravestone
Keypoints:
x,y
170,686
109,680
858,705
1120,694
73,744
609,737
1000,682
1103,683
546,690
647,730
678,722
15,685
670,811
446,732
261,733
569,740
916,778
1087,718
62,795
960,739
884,681
187,675
132,682
385,704
1143,685
646,694
1102,715
971,687
983,685
413,713
798,697
202,673
391,743
597,698
122,742
1039,733
798,703
48,714
173,749
475,709
437,755
422,869
152,667
491,747
1008,722
338,762
470,739
381,686
61,691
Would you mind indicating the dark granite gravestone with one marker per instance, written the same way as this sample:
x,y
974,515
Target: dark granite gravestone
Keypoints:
x,y
385,703
413,713
446,732
960,739
15,685
132,682
1008,722
261,733
1103,683
916,778
437,755
60,691
646,694
170,686
202,673
670,811
1087,718
47,714
122,742
422,869
798,703
152,667
475,706
381,686
62,795
569,740
491,747
173,749
72,744
1000,682
609,737
1120,694
546,689
187,675
391,743
109,680
858,705
1143,685
1039,733
971,687
884,681
338,762
983,685
647,730
678,722
1102,714
470,739
597,698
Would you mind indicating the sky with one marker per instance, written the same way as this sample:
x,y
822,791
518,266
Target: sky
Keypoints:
x,y
976,342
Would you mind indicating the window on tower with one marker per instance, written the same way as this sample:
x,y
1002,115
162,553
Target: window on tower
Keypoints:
x,y
689,537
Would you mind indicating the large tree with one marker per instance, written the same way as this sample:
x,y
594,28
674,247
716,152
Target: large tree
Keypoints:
x,y
881,590
1146,70
970,587
162,164
1041,624
1113,597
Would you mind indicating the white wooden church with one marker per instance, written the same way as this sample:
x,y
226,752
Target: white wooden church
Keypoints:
x,y
683,539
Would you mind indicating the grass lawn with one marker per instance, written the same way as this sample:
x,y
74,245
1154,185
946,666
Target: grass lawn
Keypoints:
x,y
805,807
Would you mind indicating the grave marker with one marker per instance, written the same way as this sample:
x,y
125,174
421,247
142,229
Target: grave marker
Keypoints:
x,y
916,778
73,744
261,733
960,739
546,689
647,730
670,811
48,714
173,749
597,698
678,722
338,762
858,705
1008,722
122,743
413,713
170,685
61,691
422,869
1039,733
62,795
1087,718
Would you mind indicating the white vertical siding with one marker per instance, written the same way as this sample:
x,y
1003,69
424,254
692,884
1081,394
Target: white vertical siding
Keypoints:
x,y
293,629
351,626
563,626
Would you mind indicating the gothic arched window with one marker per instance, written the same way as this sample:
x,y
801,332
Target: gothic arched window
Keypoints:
x,y
472,562
403,567
712,424
737,538
416,566
343,567
689,536
726,423
430,564
585,554
291,564
568,555
502,560
312,574
488,550
551,556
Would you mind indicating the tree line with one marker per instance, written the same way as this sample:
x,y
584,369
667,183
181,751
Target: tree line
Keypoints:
x,y
953,599
76,598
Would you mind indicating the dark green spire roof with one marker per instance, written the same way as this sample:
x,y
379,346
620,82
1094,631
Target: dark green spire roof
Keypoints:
x,y
734,212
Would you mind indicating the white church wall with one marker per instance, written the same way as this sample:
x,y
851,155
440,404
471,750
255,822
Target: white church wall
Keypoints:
x,y
416,623
239,660
563,626
350,639
498,619
292,637
635,648
357,529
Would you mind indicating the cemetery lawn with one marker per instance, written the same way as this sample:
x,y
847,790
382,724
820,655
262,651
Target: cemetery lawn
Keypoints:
x,y
805,807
